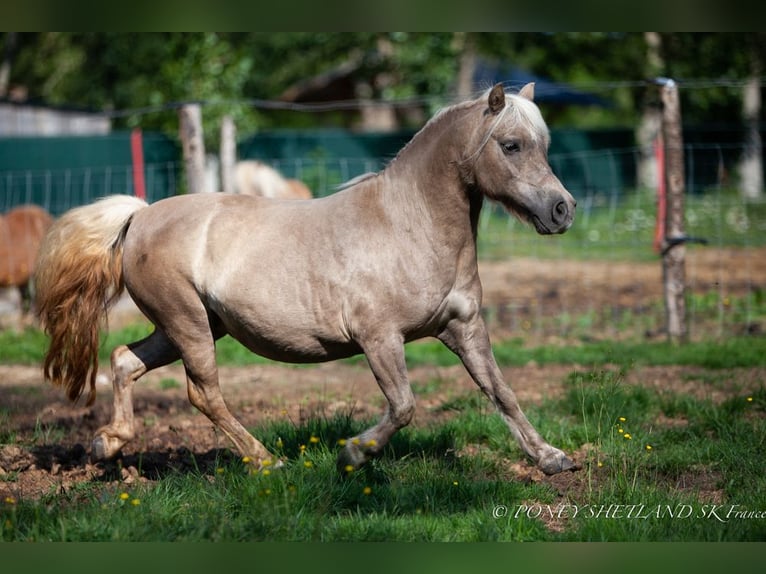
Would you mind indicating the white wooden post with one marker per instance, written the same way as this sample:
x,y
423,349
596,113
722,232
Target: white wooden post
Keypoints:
x,y
673,248
228,154
192,142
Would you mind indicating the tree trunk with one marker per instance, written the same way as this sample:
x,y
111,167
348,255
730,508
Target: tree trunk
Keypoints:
x,y
751,164
9,52
650,123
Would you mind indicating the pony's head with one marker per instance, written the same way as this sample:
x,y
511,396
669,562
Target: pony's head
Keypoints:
x,y
509,162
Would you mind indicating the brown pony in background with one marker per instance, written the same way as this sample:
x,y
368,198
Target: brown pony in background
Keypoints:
x,y
21,232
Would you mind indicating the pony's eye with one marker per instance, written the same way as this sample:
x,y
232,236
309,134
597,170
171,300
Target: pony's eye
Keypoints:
x,y
510,147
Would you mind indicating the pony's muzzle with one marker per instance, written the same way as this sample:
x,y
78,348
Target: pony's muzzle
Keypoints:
x,y
562,215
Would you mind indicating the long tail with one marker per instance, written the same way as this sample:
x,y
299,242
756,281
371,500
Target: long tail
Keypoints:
x,y
77,278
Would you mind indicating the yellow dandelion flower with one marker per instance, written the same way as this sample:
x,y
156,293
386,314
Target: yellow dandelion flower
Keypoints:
x,y
372,442
367,491
265,472
348,468
342,442
135,502
599,464
622,419
246,459
219,470
749,399
308,464
314,439
124,496
620,431
356,441
266,462
648,447
302,448
627,436
267,491
454,483
10,500
280,444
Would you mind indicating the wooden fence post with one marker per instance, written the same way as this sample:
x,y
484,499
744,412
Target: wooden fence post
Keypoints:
x,y
228,153
673,249
190,128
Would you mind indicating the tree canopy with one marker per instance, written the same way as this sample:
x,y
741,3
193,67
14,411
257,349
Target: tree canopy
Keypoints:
x,y
138,76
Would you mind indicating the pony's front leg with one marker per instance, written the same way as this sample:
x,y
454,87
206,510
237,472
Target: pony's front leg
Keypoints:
x,y
386,359
470,341
128,364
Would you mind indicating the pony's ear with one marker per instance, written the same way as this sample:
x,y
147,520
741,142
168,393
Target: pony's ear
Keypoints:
x,y
496,99
528,91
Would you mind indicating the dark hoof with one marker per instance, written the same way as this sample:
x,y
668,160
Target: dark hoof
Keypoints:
x,y
556,463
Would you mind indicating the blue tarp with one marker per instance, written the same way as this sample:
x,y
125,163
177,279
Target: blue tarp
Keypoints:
x,y
547,91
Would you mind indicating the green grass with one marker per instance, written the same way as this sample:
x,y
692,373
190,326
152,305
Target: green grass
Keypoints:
x,y
622,229
689,486
27,347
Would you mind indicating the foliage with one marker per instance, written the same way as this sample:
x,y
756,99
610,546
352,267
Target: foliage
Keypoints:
x,y
132,71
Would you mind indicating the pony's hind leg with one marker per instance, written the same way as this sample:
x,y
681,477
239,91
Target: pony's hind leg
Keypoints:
x,y
129,363
194,332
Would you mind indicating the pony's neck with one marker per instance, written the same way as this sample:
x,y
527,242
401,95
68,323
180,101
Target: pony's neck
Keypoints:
x,y
427,172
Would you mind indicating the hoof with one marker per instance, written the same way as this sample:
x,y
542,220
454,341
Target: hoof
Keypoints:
x,y
104,447
98,449
349,459
557,462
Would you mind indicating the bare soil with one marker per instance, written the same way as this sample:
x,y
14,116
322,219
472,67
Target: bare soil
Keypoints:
x,y
45,440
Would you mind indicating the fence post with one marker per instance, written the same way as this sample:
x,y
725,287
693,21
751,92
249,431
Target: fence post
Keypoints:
x,y
137,156
190,131
228,153
673,249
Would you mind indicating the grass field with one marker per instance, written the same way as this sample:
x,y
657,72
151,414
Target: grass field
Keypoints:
x,y
614,228
659,464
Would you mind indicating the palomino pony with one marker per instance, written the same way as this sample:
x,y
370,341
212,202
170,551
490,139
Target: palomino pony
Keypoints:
x,y
389,259
21,232
261,180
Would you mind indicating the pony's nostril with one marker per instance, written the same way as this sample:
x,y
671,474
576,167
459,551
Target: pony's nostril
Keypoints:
x,y
560,212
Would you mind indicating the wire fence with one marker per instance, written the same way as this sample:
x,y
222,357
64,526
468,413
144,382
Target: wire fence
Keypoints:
x,y
600,280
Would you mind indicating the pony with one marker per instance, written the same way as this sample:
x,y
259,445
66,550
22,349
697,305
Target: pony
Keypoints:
x,y
260,180
21,233
389,259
